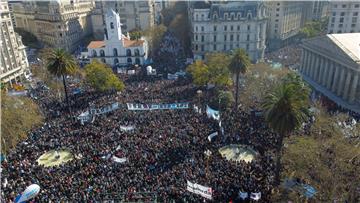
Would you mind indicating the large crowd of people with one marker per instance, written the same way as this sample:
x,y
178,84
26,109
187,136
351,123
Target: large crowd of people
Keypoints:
x,y
288,56
164,150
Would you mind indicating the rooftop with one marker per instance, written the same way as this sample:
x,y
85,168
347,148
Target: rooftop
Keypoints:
x,y
127,43
349,43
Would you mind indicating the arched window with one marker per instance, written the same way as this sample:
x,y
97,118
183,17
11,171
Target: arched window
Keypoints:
x,y
128,52
129,60
137,61
115,52
102,53
103,60
112,25
116,61
215,17
94,54
137,52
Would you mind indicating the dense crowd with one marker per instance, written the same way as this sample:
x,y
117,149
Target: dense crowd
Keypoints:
x,y
288,56
165,149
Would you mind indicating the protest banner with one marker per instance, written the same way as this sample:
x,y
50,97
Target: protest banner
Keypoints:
x,y
211,113
141,107
199,189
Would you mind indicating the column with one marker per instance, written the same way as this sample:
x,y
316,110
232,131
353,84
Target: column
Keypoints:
x,y
330,75
305,59
326,70
353,89
347,84
302,61
341,83
319,70
309,62
315,67
335,78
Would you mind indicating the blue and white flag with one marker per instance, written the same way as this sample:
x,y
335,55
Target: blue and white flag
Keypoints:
x,y
211,113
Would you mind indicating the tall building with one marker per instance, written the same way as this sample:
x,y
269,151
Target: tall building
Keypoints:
x,y
14,64
285,22
134,14
117,49
344,17
222,27
331,65
315,10
60,24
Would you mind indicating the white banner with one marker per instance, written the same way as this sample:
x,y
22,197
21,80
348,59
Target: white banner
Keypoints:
x,y
137,107
127,128
118,160
199,189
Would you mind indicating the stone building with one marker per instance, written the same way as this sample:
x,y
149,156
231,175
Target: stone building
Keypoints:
x,y
117,49
222,27
138,15
13,61
61,24
315,10
344,17
285,22
331,65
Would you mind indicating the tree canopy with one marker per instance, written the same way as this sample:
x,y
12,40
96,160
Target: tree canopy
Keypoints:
x,y
18,116
100,77
212,71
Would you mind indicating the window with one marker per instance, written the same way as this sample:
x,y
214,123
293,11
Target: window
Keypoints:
x,y
335,5
215,17
112,25
214,38
231,28
137,52
342,13
333,19
196,37
128,52
354,19
341,20
332,25
94,54
238,27
276,20
248,37
116,61
202,16
137,61
129,60
356,6
355,14
215,28
196,47
103,60
202,38
225,28
102,53
60,34
340,25
231,37
248,27
247,46
197,17
214,48
277,15
202,47
224,47
202,28
334,14
353,25
344,5
115,52
225,37
196,28
225,16
278,9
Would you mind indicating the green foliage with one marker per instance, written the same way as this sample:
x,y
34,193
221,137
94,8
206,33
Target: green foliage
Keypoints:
x,y
226,98
286,108
61,63
101,78
240,62
214,71
135,34
18,116
154,36
313,29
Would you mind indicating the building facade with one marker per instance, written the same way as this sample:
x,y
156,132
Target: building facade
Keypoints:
x,y
60,24
315,10
139,15
331,65
14,64
285,21
117,49
222,27
344,17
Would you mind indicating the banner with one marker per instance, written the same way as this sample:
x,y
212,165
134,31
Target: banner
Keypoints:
x,y
255,196
211,113
243,195
138,107
124,128
212,135
199,189
118,160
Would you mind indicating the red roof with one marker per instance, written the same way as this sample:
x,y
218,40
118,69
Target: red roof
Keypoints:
x,y
96,44
127,43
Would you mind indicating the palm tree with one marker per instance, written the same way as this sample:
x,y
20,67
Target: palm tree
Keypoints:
x,y
60,64
240,63
285,109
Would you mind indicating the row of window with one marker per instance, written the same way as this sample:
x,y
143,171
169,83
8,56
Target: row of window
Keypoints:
x,y
225,28
129,61
344,6
232,16
343,14
342,25
115,52
341,20
225,37
225,48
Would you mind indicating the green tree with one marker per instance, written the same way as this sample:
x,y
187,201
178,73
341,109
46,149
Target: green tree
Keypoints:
x,y
240,63
226,99
199,72
285,109
18,116
101,78
135,34
61,64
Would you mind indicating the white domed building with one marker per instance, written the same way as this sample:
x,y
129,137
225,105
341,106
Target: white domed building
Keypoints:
x,y
117,49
